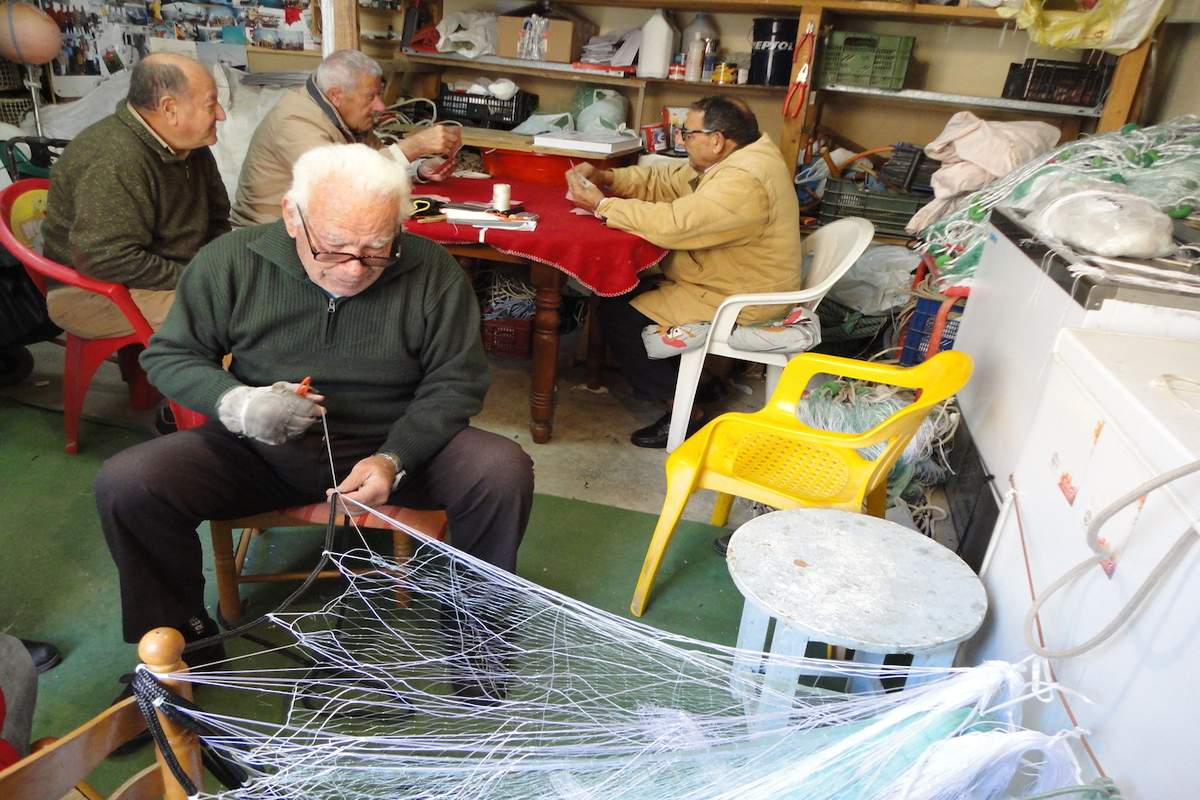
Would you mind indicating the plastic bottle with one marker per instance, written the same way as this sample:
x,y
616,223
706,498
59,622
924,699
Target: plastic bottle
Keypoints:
x,y
659,41
704,25
694,63
710,60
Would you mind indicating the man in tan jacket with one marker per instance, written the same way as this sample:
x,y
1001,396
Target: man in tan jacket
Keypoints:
x,y
338,105
731,219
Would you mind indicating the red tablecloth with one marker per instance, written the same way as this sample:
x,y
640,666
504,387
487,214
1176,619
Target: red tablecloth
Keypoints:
x,y
604,260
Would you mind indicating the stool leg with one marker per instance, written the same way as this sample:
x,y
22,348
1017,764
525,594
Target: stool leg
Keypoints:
x,y
942,657
865,685
751,642
782,679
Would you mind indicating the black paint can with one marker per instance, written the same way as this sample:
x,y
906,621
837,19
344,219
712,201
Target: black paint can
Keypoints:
x,y
774,43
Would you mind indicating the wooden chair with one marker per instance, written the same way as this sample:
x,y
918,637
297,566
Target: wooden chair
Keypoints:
x,y
771,457
230,562
60,765
22,206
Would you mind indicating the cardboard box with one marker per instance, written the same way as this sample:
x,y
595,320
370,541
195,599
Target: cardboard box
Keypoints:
x,y
560,39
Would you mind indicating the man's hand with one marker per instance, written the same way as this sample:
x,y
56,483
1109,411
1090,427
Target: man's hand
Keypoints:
x,y
583,191
271,414
436,169
370,483
438,140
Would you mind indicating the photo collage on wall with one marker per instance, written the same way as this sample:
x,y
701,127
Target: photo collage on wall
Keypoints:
x,y
100,38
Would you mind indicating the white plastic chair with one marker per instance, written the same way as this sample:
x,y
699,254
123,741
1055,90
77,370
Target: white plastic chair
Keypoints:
x,y
834,247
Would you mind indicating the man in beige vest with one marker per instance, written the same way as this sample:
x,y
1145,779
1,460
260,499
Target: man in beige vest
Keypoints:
x,y
338,105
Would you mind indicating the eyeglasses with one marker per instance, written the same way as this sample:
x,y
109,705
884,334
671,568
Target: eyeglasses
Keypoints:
x,y
687,133
332,257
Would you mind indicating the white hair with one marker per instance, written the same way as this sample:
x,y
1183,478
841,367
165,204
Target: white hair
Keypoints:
x,y
342,68
375,177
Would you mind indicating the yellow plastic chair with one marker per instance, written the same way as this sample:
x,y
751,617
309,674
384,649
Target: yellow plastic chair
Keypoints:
x,y
771,457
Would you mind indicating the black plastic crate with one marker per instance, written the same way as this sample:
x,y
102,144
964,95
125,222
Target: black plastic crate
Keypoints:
x,y
484,111
1066,82
888,212
909,168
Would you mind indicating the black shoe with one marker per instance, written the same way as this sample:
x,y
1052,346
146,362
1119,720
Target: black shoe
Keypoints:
x,y
654,435
45,655
164,423
714,391
721,544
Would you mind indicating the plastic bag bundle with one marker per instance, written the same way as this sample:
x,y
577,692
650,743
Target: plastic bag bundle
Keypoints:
x,y
1160,163
878,281
468,33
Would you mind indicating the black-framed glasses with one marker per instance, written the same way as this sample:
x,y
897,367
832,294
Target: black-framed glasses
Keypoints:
x,y
333,257
687,133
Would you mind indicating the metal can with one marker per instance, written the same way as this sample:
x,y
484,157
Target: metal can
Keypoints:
x,y
654,138
724,72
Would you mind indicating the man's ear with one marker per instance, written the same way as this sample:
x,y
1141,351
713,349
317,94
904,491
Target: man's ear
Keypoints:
x,y
168,108
289,213
335,95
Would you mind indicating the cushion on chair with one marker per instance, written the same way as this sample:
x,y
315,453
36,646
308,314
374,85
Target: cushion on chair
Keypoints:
x,y
668,341
799,331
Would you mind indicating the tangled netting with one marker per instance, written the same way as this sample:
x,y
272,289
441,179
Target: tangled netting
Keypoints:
x,y
1160,163
488,686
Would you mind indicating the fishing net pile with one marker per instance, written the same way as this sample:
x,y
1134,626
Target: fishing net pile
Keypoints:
x,y
488,686
1160,163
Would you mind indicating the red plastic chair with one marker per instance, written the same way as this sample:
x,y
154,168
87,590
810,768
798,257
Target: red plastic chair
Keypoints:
x,y
84,356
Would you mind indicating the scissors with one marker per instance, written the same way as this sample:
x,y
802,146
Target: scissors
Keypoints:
x,y
800,85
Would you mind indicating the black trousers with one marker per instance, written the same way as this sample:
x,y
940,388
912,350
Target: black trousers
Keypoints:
x,y
621,323
153,496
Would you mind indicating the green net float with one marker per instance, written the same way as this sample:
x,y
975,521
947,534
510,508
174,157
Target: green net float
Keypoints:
x,y
1132,156
1180,212
976,212
1099,161
1149,157
1117,177
1130,127
942,261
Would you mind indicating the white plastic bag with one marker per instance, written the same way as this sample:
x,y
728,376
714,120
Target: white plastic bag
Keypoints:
x,y
546,123
609,112
878,281
1107,222
468,33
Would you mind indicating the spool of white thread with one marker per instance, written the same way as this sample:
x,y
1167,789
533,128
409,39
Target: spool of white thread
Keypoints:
x,y
501,196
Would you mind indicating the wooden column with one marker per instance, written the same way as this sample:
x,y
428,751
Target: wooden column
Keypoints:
x,y
339,27
798,131
1121,105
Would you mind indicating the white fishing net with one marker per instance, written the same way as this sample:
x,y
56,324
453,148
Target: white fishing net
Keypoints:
x,y
488,686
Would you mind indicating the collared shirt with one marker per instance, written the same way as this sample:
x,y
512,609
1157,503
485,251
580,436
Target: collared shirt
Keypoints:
x,y
138,116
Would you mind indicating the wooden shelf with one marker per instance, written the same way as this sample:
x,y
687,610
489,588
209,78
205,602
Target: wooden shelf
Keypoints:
x,y
253,48
957,100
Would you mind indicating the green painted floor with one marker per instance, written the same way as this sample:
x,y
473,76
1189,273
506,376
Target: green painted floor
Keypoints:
x,y
58,584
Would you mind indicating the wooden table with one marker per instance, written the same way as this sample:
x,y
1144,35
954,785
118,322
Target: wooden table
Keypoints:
x,y
604,260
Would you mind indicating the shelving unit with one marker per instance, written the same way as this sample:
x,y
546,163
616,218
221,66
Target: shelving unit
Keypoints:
x,y
645,95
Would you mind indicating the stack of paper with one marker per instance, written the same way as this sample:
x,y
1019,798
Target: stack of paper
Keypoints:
x,y
616,48
606,142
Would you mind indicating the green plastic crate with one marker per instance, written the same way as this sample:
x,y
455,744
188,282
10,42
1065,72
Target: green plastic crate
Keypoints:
x,y
861,59
888,212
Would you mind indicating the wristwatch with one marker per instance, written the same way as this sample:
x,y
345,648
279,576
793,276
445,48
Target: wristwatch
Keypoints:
x,y
400,472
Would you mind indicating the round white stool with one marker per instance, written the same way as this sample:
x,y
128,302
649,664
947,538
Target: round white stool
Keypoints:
x,y
849,580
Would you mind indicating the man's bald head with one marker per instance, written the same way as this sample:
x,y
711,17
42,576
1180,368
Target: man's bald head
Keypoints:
x,y
177,97
162,74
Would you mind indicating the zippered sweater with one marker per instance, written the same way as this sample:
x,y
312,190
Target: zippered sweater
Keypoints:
x,y
124,209
402,360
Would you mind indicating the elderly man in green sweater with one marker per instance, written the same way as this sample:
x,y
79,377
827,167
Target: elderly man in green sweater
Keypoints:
x,y
135,196
386,325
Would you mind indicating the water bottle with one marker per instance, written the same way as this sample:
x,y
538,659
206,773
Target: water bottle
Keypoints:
x,y
659,41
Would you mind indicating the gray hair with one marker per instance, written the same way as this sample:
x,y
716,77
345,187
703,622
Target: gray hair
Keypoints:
x,y
375,177
152,79
343,68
